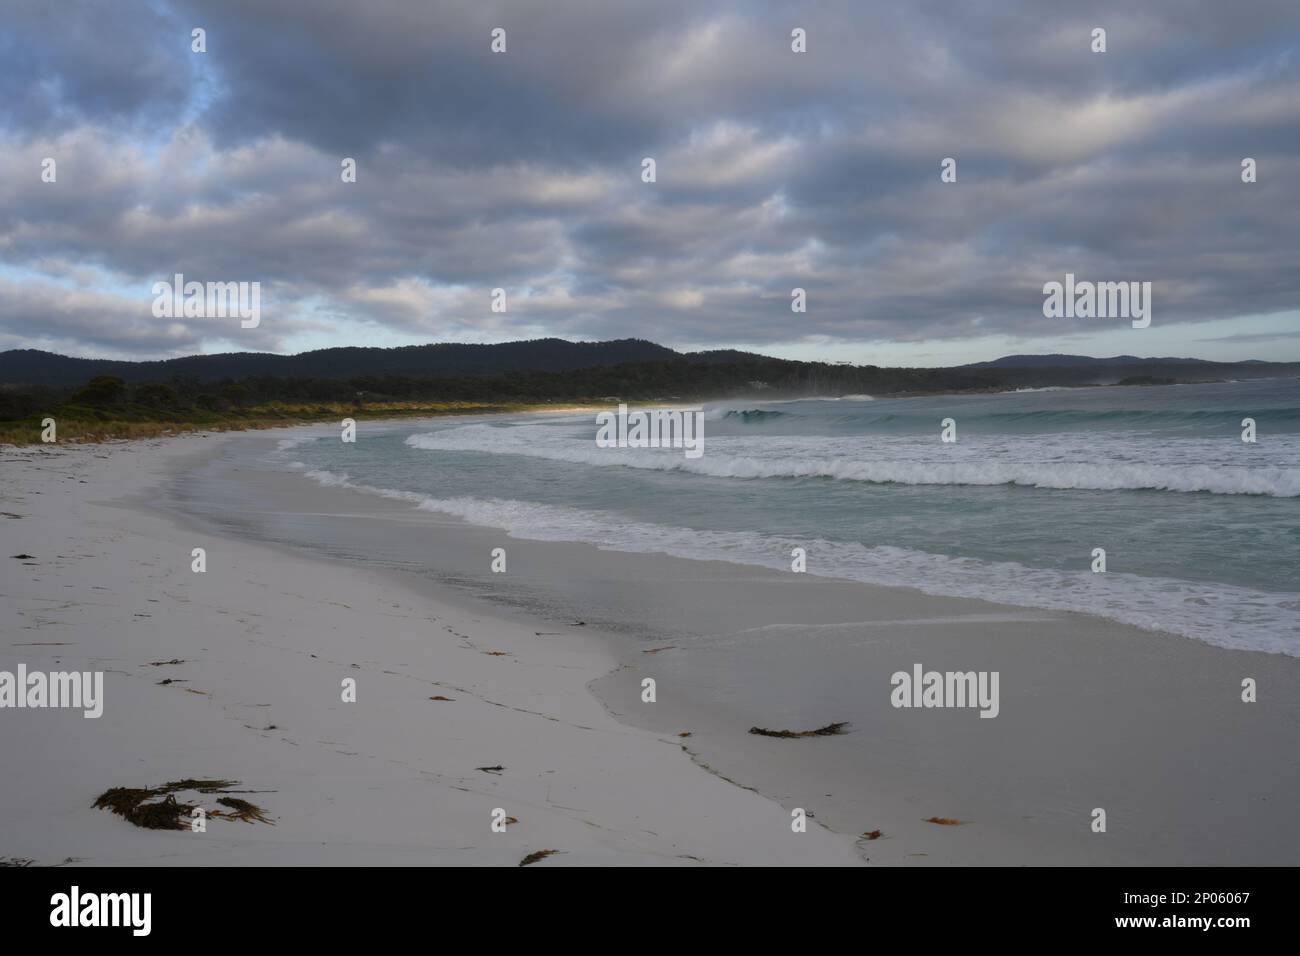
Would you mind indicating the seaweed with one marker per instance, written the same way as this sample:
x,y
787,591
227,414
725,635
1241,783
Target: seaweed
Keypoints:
x,y
532,858
203,786
137,805
166,814
243,810
945,821
130,804
829,730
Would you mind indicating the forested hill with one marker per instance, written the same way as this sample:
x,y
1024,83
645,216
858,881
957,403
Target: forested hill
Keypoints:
x,y
636,360
546,370
33,367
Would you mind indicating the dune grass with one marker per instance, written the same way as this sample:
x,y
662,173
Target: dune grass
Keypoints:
x,y
88,424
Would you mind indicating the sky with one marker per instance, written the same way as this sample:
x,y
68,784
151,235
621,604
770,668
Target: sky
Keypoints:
x,y
774,169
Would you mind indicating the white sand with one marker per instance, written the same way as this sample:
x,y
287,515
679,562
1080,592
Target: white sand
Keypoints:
x,y
266,639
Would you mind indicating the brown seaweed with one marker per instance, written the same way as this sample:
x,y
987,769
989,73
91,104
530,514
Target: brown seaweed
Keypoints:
x,y
532,858
828,731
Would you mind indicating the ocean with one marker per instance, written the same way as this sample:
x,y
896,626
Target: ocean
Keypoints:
x,y
1201,530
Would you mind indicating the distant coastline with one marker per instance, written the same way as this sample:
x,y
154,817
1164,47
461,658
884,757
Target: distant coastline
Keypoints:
x,y
95,399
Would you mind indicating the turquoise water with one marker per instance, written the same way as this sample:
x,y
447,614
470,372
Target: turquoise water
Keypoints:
x,y
1200,528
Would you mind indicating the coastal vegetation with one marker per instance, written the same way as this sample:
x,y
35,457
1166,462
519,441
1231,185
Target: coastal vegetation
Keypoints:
x,y
134,400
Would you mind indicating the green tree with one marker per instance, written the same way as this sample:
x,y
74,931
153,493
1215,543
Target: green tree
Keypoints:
x,y
156,395
101,390
235,393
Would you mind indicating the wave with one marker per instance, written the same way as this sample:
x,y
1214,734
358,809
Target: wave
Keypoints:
x,y
1057,418
1004,420
791,459
1229,418
723,411
1221,615
285,444
751,416
819,398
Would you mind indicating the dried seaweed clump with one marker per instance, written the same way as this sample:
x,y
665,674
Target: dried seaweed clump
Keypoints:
x,y
140,806
829,730
945,821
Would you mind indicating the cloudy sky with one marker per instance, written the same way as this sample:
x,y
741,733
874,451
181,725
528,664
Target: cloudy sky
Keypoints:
x,y
775,170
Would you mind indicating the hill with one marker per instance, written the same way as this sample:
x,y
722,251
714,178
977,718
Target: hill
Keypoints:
x,y
1057,360
446,360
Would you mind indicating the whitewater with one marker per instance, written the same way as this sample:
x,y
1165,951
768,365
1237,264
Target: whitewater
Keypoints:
x,y
1200,528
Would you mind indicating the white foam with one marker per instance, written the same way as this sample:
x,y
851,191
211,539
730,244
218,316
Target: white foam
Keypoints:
x,y
1221,615
1043,461
284,444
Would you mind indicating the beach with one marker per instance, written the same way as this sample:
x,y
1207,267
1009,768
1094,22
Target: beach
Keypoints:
x,y
544,666
263,640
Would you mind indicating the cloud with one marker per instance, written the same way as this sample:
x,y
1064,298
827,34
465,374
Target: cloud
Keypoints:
x,y
523,170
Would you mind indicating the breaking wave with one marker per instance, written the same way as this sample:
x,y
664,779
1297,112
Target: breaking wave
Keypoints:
x,y
1218,614
793,458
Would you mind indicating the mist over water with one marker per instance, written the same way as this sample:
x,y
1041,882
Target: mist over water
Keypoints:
x,y
1200,528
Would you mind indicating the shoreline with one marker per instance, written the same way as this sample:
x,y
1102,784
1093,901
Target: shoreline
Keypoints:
x,y
1079,725
1095,713
153,430
159,430
264,639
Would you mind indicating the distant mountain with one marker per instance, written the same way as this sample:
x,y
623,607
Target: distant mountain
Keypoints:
x,y
555,368
1087,361
721,357
34,367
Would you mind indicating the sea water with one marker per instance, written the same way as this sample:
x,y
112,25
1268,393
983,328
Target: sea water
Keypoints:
x,y
1201,530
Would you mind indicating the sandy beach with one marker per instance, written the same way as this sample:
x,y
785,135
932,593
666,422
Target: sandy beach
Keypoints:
x,y
307,585
265,640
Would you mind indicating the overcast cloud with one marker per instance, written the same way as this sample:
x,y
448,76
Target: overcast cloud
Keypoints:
x,y
775,170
